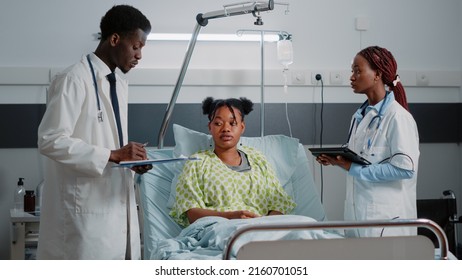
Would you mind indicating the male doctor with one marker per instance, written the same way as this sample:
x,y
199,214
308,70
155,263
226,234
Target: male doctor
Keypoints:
x,y
89,209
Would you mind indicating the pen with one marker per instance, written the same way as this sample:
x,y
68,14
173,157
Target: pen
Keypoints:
x,y
144,146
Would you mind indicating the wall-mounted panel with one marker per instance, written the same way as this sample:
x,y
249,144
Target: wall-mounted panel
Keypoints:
x,y
24,76
233,77
437,123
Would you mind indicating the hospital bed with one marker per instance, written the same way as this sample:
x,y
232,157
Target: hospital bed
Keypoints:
x,y
163,238
209,237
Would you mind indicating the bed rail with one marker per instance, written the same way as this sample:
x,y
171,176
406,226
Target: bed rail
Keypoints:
x,y
425,223
253,8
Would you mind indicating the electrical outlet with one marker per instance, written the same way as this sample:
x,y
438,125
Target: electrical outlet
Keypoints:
x,y
336,78
313,77
298,77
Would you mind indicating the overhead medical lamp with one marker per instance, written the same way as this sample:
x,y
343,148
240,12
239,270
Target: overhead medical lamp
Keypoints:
x,y
210,37
242,8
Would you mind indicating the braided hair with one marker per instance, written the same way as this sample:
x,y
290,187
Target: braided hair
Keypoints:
x,y
381,60
210,106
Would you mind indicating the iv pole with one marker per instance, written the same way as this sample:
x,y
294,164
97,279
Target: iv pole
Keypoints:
x,y
202,20
283,34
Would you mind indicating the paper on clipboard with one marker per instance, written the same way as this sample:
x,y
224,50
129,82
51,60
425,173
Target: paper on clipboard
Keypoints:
x,y
130,164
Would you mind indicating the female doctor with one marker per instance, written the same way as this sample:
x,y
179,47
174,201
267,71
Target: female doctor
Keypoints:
x,y
385,133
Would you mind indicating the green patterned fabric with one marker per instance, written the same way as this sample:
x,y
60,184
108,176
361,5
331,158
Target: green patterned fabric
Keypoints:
x,y
210,184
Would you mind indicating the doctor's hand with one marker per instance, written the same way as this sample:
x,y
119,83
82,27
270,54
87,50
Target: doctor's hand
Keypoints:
x,y
141,169
131,151
338,160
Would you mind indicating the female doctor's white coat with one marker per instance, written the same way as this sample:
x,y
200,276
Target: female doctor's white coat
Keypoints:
x,y
395,141
88,207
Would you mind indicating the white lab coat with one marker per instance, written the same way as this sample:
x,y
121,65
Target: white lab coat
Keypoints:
x,y
88,205
397,135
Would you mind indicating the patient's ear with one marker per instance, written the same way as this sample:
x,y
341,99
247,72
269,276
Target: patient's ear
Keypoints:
x,y
242,124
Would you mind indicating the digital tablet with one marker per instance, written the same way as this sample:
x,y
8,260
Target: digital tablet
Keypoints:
x,y
340,151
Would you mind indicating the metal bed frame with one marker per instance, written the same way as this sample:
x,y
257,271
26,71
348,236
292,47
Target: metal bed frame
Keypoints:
x,y
425,223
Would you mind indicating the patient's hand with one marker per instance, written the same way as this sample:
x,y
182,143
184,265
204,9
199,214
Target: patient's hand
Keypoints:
x,y
241,214
274,212
196,213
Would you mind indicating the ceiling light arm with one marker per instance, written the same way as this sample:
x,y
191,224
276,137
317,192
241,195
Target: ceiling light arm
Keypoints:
x,y
202,20
239,9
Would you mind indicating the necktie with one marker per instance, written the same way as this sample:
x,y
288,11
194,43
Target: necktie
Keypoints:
x,y
115,105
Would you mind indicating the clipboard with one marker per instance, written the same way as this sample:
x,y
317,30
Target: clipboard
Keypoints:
x,y
130,164
340,151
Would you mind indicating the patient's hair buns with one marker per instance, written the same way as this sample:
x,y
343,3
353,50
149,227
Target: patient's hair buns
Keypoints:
x,y
247,105
207,106
210,106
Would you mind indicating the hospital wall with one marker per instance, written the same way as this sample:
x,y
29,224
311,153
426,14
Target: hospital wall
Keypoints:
x,y
40,38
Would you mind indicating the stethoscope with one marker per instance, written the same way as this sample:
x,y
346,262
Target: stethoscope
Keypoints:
x,y
100,112
378,117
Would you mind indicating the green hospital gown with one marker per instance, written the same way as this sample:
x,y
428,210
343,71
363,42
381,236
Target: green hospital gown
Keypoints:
x,y
210,184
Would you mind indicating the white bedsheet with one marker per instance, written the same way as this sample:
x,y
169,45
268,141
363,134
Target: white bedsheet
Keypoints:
x,y
208,236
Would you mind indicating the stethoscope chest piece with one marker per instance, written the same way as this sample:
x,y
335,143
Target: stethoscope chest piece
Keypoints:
x,y
100,116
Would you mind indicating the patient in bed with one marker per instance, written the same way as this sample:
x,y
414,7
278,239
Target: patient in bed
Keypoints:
x,y
230,181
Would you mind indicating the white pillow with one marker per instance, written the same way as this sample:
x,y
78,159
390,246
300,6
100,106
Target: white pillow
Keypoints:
x,y
280,151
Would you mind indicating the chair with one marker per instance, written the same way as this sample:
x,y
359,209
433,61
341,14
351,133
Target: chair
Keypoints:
x,y
442,211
